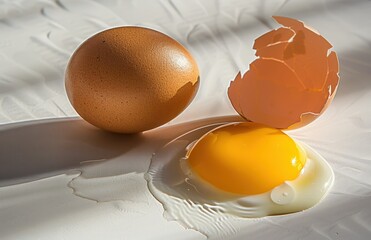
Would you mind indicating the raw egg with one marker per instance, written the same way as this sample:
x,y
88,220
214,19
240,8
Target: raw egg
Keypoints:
x,y
292,81
209,177
246,159
130,79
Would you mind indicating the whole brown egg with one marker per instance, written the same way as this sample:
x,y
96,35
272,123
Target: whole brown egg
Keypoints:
x,y
130,79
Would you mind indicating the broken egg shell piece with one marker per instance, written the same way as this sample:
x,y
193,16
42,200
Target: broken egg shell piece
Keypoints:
x,y
293,80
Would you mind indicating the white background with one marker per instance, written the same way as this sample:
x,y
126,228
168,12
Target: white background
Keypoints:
x,y
110,200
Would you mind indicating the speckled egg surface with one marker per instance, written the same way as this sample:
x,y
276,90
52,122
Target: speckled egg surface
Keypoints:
x,y
130,79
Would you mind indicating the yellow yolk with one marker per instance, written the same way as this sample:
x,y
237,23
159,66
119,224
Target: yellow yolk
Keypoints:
x,y
246,158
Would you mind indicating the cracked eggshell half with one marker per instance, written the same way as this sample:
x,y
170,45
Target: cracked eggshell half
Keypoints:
x,y
292,81
131,79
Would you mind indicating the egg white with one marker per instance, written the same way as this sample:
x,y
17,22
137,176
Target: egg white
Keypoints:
x,y
197,204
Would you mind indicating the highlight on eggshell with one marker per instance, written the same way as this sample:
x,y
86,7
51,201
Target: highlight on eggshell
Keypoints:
x,y
293,80
131,79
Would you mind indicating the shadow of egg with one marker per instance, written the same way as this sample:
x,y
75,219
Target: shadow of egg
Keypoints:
x,y
37,149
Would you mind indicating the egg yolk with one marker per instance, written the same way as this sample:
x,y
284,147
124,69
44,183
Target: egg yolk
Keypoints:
x,y
246,158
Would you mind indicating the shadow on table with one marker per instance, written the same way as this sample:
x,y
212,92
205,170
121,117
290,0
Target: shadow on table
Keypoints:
x,y
38,149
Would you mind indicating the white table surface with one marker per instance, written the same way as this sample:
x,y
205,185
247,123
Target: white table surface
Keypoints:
x,y
47,193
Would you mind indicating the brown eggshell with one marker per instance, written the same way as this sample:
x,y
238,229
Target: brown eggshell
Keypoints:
x,y
293,80
131,79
